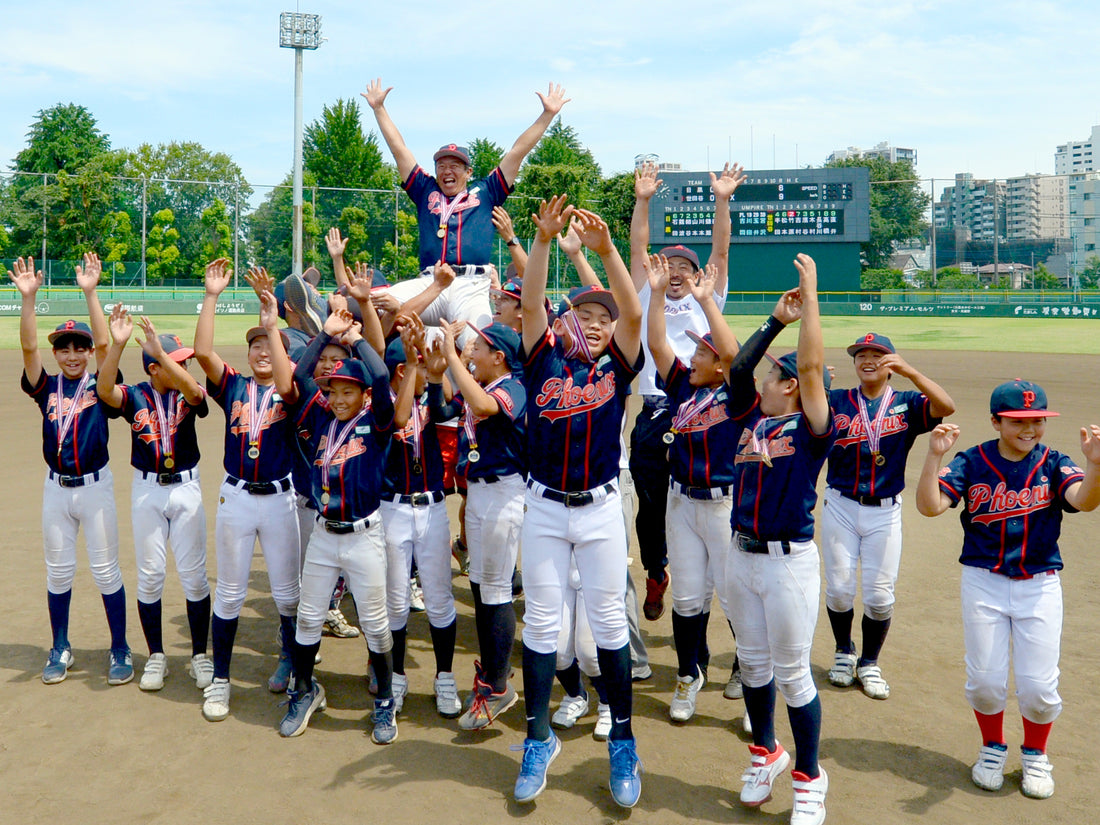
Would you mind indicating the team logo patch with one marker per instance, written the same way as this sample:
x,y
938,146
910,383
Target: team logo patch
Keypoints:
x,y
573,399
1004,503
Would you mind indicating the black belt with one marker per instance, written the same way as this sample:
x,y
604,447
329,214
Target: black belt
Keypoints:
x,y
342,528
260,488
75,481
164,479
701,493
489,479
870,501
581,499
419,499
750,545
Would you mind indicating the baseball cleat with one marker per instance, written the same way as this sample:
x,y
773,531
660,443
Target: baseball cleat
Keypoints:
x,y
988,772
654,605
809,798
57,666
201,669
687,690
385,722
300,706
152,678
870,678
486,706
537,757
626,772
603,723
569,711
121,667
336,624
761,773
215,704
399,685
734,688
416,596
843,672
447,703
1037,780
279,681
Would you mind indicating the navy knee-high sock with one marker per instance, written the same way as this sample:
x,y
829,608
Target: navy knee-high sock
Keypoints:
x,y
841,623
685,633
288,629
615,668
443,645
760,706
58,604
538,679
114,606
198,620
703,657
502,633
874,634
397,652
222,632
149,615
600,687
484,635
303,657
570,679
806,729
383,669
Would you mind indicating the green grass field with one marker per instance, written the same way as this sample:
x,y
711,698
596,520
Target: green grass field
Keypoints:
x,y
1053,335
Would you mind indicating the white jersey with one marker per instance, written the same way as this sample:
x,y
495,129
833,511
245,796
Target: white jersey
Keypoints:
x,y
681,315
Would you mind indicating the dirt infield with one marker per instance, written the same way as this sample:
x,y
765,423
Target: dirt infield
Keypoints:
x,y
82,751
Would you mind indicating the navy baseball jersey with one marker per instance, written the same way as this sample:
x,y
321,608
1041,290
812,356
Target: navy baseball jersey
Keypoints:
x,y
499,440
775,502
80,422
152,445
704,434
298,341
346,458
852,468
466,220
575,414
256,424
414,462
1013,514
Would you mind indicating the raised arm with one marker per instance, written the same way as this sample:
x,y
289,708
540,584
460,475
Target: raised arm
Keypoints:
x,y
503,223
657,334
359,289
282,369
1085,494
931,500
336,246
596,236
442,277
723,186
646,184
941,404
435,361
702,289
216,280
27,281
175,374
376,98
811,349
411,329
87,278
552,102
552,217
570,244
121,326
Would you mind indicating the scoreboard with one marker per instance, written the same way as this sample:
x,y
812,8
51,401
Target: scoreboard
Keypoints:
x,y
777,206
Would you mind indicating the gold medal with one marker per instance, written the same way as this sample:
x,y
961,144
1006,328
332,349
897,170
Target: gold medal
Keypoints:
x,y
417,469
880,459
767,459
442,232
324,498
668,438
253,452
169,462
474,456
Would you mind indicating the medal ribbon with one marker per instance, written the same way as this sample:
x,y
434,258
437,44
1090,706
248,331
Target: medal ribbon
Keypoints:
x,y
66,419
874,428
167,420
469,420
257,411
578,344
760,442
334,442
691,407
416,418
448,209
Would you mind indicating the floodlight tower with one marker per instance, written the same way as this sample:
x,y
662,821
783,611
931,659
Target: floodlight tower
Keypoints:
x,y
298,32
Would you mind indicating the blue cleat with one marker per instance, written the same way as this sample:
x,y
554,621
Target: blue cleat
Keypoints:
x,y
300,706
537,757
626,772
121,669
385,721
57,666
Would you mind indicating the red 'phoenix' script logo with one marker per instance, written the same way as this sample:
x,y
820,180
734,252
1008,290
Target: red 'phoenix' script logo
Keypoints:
x,y
573,399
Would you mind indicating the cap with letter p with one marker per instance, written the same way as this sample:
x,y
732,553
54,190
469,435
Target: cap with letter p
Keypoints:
x,y
681,251
502,338
872,340
75,330
1020,399
589,294
452,150
173,348
349,369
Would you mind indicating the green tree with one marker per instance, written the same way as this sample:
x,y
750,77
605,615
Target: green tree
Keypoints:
x,y
616,205
875,279
162,255
63,137
1043,278
120,243
401,262
951,277
897,206
217,231
1089,275
485,156
272,237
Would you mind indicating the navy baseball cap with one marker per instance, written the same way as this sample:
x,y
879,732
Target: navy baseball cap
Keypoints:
x,y
71,329
1020,399
257,332
681,251
173,347
589,294
451,150
872,340
395,354
349,369
788,367
503,338
280,298
707,340
513,288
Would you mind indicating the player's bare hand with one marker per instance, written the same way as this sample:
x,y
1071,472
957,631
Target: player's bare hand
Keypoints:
x,y
646,181
723,186
375,95
593,232
554,99
121,324
337,301
656,270
788,308
409,342
336,245
896,364
216,278
269,310
435,359
87,276
152,345
942,438
1090,443
24,276
552,217
259,280
384,301
702,286
807,272
451,331
354,333
569,241
443,274
503,222
494,276
360,286
338,322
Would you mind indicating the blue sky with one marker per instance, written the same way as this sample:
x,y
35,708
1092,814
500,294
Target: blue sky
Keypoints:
x,y
987,88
